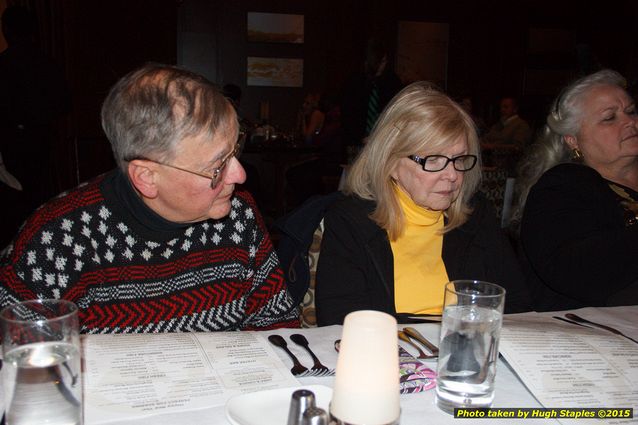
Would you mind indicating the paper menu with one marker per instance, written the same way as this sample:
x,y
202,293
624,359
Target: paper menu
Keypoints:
x,y
570,366
133,376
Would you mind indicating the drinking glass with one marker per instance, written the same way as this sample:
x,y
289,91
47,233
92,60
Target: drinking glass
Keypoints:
x,y
41,377
468,350
366,388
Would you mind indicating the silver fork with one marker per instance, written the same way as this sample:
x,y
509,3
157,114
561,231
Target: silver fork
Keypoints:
x,y
329,372
318,369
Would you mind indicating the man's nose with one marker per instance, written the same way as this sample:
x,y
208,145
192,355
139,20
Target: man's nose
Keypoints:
x,y
236,173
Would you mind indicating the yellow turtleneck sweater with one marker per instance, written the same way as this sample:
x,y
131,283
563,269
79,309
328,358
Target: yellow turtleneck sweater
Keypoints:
x,y
419,272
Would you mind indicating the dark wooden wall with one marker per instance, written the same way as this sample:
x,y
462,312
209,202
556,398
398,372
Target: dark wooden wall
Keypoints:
x,y
104,41
97,42
488,46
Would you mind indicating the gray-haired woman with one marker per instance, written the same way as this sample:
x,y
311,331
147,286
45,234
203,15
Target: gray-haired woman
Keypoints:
x,y
578,198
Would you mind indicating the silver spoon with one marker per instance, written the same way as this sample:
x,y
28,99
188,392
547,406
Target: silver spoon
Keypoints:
x,y
279,341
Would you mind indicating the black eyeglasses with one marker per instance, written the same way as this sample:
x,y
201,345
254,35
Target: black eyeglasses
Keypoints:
x,y
434,163
217,173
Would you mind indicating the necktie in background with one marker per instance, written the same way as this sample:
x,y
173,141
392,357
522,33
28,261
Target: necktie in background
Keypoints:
x,y
373,109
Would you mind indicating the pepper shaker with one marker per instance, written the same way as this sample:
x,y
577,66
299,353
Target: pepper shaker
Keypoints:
x,y
301,401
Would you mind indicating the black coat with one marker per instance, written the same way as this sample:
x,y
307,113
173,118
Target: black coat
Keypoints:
x,y
356,265
577,248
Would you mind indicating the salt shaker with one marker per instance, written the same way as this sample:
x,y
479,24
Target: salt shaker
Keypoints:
x,y
301,401
315,416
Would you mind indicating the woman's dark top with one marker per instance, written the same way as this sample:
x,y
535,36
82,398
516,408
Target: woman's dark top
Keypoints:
x,y
579,243
356,265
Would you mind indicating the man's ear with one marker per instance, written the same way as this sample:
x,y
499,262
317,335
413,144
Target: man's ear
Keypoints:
x,y
143,176
571,141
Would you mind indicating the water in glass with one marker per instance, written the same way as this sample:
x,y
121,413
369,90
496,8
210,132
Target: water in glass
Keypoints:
x,y
43,384
467,357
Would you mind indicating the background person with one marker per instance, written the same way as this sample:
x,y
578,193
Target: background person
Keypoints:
x,y
233,93
511,129
412,219
310,117
365,94
504,143
164,243
578,230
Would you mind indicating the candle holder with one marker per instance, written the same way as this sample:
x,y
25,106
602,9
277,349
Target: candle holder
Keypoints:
x,y
366,389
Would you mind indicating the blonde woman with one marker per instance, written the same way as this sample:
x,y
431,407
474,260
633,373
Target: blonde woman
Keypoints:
x,y
411,219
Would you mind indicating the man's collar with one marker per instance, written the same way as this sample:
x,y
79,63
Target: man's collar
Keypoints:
x,y
132,205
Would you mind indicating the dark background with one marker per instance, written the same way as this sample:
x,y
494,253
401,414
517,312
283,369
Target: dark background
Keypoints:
x,y
489,55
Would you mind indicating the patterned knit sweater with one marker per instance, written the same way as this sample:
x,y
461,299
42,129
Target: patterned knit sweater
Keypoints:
x,y
130,271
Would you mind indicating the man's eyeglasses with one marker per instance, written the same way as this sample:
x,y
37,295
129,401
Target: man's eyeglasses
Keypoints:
x,y
434,163
217,174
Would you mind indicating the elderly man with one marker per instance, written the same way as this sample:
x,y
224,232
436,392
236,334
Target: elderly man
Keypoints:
x,y
163,243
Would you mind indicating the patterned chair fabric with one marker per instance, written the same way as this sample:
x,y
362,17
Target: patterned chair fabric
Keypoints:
x,y
498,188
493,186
307,311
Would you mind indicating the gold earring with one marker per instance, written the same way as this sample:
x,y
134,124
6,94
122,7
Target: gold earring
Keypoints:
x,y
576,154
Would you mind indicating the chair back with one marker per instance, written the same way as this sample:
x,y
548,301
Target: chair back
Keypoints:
x,y
307,310
499,188
299,243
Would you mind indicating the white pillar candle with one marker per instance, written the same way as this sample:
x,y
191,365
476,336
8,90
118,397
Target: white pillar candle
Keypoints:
x,y
366,388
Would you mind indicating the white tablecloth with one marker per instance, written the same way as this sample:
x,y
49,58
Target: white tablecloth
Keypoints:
x,y
415,408
419,409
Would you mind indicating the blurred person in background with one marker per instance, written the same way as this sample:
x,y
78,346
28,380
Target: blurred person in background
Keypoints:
x,y
365,94
511,129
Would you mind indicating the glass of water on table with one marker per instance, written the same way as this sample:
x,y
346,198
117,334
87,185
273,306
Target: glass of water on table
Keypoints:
x,y
41,368
470,331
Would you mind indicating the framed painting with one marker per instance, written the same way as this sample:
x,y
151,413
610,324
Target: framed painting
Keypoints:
x,y
275,28
274,72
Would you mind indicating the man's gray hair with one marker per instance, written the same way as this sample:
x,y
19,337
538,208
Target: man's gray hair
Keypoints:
x,y
150,110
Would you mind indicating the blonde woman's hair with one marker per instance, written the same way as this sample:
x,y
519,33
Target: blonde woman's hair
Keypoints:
x,y
418,120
